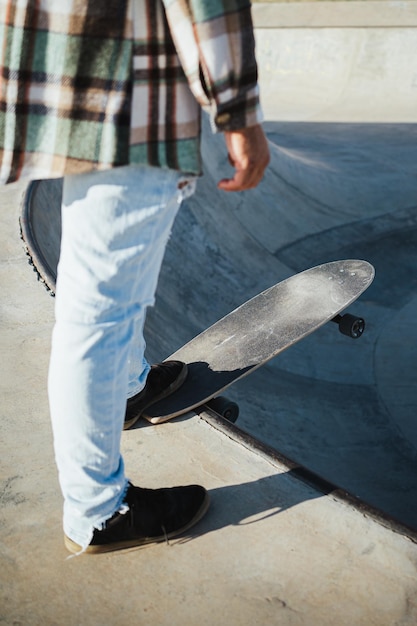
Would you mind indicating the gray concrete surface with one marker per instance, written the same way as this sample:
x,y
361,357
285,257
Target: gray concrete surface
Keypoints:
x,y
338,61
272,549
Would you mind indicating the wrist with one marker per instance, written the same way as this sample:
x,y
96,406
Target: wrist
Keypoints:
x,y
236,115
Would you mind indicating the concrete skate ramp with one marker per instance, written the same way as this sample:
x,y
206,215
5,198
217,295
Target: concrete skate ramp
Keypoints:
x,y
339,186
345,409
340,100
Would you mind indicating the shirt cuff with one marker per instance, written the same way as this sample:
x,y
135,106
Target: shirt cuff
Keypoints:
x,y
237,114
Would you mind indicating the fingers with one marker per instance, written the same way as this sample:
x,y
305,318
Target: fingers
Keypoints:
x,y
246,178
249,154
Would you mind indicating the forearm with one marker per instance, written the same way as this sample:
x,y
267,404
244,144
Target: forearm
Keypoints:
x,y
216,46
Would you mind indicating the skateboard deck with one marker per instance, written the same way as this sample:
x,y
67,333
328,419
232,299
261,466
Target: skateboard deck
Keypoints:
x,y
259,330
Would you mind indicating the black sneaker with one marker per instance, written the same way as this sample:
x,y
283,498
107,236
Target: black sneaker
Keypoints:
x,y
154,515
163,379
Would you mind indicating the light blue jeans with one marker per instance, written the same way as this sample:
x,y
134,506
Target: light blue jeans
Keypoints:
x,y
115,226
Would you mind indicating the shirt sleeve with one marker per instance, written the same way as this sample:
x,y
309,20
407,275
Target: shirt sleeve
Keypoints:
x,y
216,46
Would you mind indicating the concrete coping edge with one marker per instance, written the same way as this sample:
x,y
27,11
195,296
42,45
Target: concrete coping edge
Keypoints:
x,y
343,14
303,474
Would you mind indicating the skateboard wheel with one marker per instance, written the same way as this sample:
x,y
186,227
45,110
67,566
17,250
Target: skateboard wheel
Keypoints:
x,y
224,407
351,325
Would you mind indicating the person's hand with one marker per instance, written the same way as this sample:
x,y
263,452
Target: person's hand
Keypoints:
x,y
249,155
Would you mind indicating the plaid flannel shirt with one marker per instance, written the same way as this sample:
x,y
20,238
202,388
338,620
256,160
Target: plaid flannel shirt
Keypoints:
x,y
87,84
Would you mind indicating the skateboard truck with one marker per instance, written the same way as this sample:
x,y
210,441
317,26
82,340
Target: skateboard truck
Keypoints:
x,y
350,325
224,407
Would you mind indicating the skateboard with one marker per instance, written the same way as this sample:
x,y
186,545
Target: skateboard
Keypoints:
x,y
261,328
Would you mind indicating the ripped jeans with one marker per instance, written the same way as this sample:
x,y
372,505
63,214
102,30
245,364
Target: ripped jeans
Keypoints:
x,y
115,227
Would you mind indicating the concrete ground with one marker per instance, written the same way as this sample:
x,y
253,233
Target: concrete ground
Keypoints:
x,y
273,549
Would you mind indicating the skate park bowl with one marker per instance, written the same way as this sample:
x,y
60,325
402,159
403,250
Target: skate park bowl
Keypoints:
x,y
339,95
